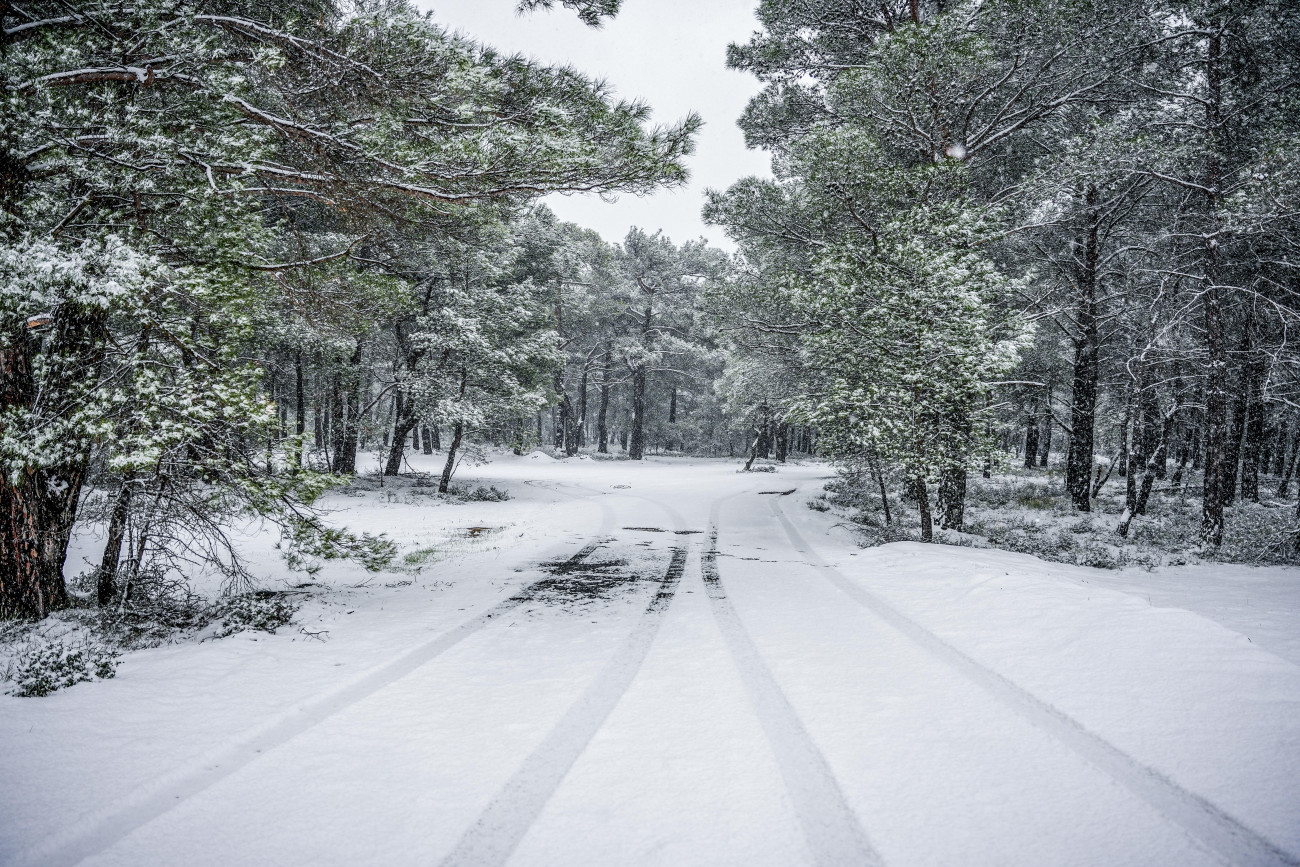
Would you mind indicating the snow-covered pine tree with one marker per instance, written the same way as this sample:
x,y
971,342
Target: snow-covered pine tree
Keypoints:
x,y
183,136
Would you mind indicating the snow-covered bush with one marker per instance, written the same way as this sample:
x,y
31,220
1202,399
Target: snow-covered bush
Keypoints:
x,y
262,611
480,494
44,665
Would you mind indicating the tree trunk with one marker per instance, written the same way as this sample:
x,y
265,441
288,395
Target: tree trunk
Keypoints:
x,y
458,434
428,437
1254,372
1283,489
1083,398
672,407
404,421
952,497
1216,378
1031,437
782,442
299,411
1197,447
923,506
1153,465
345,416
38,504
753,450
880,481
1232,450
580,432
106,585
602,432
636,449
1047,430
1280,447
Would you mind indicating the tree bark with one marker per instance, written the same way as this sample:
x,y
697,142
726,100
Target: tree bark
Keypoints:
x,y
880,481
952,497
580,432
106,583
602,431
1280,447
1254,372
636,447
350,427
923,506
1232,450
404,421
1284,488
38,504
457,435
1083,398
753,450
1216,379
1031,437
1047,430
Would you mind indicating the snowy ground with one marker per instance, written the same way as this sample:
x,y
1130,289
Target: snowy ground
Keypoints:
x,y
673,663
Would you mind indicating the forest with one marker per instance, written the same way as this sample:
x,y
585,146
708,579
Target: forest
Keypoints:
x,y
249,251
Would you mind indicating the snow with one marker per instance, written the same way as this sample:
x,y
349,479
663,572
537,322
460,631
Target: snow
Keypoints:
x,y
816,703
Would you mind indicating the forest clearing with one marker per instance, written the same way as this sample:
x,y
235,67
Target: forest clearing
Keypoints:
x,y
794,699
650,432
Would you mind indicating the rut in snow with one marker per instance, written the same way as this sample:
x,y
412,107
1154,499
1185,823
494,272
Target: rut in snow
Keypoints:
x,y
830,827
500,827
1200,819
98,832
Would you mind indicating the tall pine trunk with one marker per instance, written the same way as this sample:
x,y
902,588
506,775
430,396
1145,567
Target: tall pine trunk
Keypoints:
x,y
1254,372
1083,398
1046,429
1216,375
457,435
1031,437
38,504
1284,488
106,580
923,506
404,421
602,430
299,411
636,443
1236,433
580,432
345,415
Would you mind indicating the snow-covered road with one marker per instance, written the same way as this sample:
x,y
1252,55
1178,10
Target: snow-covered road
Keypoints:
x,y
676,664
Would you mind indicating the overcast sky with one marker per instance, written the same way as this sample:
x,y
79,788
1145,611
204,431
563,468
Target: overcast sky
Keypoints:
x,y
669,53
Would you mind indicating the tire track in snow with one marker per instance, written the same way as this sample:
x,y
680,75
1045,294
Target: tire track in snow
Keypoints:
x,y
1200,819
830,827
504,822
103,829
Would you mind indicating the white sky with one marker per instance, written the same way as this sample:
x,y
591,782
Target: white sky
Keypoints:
x,y
669,53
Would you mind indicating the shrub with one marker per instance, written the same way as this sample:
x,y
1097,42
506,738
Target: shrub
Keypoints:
x,y
45,665
488,494
262,610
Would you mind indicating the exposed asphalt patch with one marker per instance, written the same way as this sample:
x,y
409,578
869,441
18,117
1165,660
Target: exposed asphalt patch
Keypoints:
x,y
574,583
780,493
645,529
687,532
